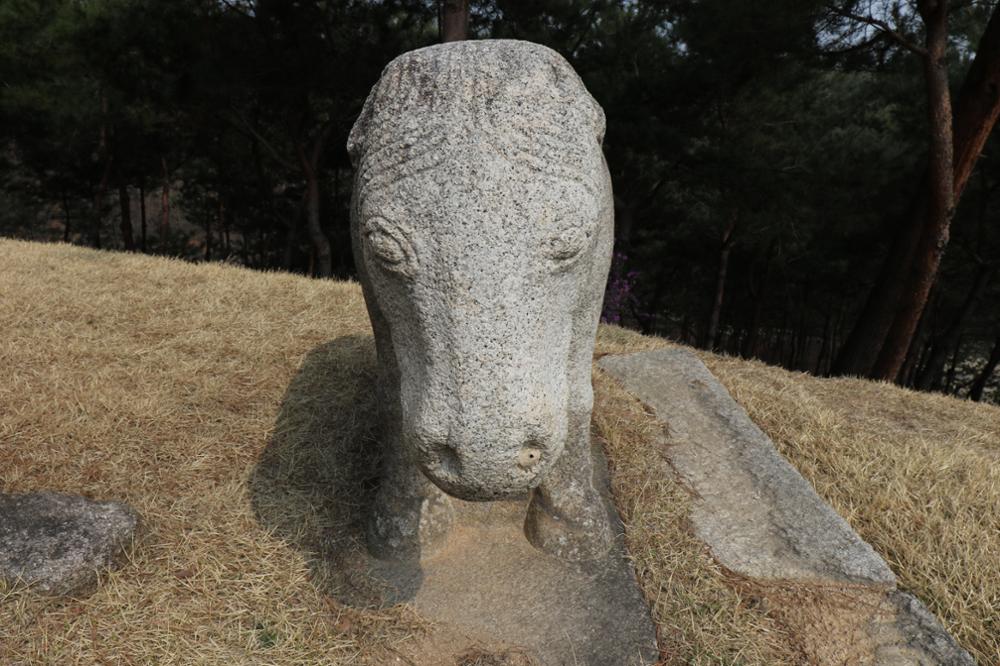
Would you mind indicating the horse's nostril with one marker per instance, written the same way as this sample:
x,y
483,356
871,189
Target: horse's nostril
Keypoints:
x,y
529,456
449,460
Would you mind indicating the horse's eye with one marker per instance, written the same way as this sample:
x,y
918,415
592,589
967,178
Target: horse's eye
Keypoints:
x,y
385,247
388,245
565,247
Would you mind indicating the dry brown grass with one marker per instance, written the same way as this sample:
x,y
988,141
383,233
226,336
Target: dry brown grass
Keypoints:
x,y
170,386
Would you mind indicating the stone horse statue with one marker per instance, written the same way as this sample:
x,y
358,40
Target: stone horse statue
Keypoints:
x,y
482,232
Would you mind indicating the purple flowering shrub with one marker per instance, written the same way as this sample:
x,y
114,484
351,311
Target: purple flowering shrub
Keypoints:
x,y
619,295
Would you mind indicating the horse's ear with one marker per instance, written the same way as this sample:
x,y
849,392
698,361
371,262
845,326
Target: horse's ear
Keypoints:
x,y
572,88
600,122
357,140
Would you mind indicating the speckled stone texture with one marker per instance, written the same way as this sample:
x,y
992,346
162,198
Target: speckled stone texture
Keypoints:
x,y
59,543
482,230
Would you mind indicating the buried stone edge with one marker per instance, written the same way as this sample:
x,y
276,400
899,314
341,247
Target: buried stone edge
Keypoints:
x,y
759,517
58,544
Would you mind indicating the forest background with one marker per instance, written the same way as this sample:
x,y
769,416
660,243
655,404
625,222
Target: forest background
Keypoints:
x,y
809,183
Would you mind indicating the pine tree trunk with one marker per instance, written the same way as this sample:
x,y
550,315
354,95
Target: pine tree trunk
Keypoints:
x,y
125,208
208,237
751,343
824,345
164,203
267,193
908,375
977,105
934,365
292,238
977,108
624,222
453,20
103,149
953,367
861,348
800,338
321,246
715,313
65,203
917,346
224,218
934,237
142,216
778,352
244,249
310,168
748,347
102,187
835,340
983,378
342,260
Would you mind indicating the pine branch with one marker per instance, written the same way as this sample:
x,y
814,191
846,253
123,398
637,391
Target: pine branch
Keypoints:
x,y
883,27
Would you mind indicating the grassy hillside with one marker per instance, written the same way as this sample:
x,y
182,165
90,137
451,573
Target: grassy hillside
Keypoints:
x,y
175,387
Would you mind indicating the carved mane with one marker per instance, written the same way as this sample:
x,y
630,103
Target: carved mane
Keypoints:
x,y
468,99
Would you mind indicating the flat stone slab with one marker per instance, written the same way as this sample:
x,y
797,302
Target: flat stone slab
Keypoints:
x,y
490,584
756,513
59,543
487,585
753,509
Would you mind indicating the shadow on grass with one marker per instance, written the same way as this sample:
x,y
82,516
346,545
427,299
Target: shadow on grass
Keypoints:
x,y
317,476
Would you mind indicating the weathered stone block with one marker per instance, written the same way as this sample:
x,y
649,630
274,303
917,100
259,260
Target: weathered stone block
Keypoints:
x,y
59,543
